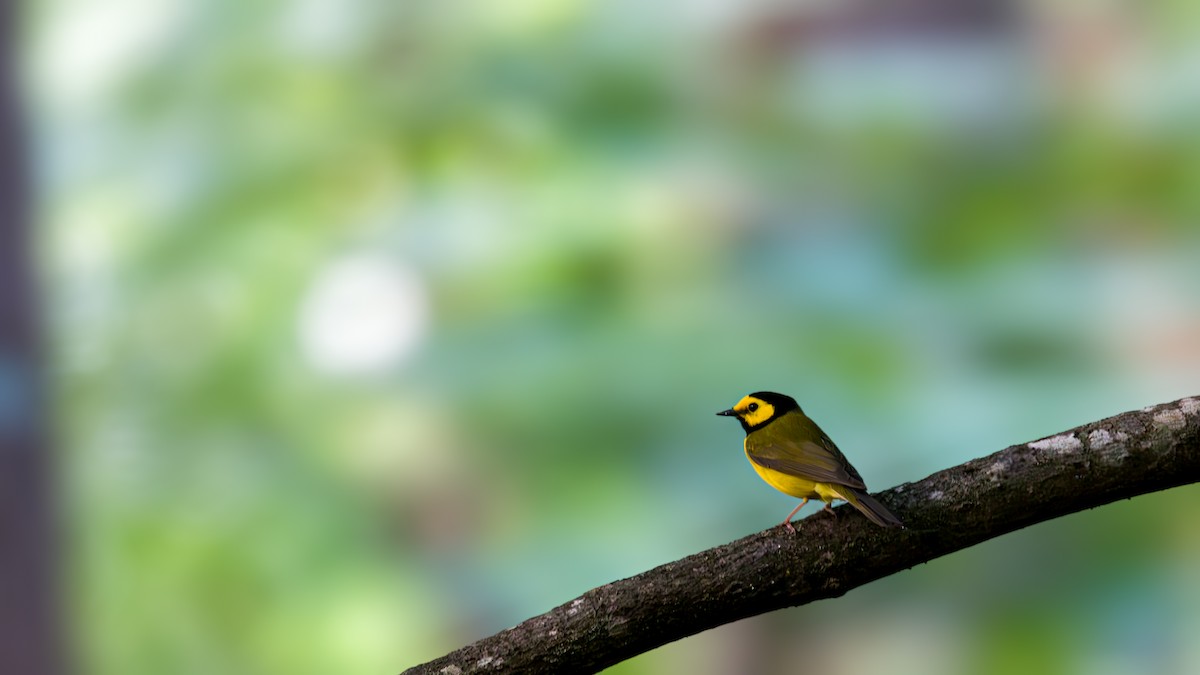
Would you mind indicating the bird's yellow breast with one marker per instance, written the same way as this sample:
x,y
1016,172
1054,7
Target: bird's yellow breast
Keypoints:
x,y
795,486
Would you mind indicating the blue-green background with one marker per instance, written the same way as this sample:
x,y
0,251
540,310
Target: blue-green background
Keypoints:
x,y
573,231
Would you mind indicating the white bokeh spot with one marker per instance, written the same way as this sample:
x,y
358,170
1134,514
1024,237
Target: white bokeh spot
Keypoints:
x,y
364,314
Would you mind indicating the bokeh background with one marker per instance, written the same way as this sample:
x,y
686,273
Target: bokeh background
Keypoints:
x,y
379,327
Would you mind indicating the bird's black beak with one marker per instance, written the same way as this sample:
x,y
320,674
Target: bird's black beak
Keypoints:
x,y
728,413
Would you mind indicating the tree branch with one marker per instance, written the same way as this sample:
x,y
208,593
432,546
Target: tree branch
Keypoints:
x,y
1116,458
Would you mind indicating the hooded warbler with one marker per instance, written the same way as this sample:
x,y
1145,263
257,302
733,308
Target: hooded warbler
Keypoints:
x,y
791,453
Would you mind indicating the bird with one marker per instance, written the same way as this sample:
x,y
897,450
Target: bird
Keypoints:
x,y
793,455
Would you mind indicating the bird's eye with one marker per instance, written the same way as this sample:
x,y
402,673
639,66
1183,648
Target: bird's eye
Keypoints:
x,y
752,407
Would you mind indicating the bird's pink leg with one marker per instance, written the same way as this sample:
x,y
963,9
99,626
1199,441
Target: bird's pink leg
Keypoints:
x,y
788,521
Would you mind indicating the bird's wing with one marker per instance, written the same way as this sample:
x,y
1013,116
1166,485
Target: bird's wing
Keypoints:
x,y
818,460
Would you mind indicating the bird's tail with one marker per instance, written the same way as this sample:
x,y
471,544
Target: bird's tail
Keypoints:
x,y
871,508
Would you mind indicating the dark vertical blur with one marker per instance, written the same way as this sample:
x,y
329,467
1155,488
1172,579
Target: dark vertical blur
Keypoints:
x,y
29,643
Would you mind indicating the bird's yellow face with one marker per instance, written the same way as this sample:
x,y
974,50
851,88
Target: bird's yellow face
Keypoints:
x,y
753,411
760,408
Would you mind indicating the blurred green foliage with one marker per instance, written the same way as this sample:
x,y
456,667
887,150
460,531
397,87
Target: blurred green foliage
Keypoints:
x,y
602,222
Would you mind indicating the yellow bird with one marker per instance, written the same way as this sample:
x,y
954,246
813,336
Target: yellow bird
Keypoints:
x,y
791,453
